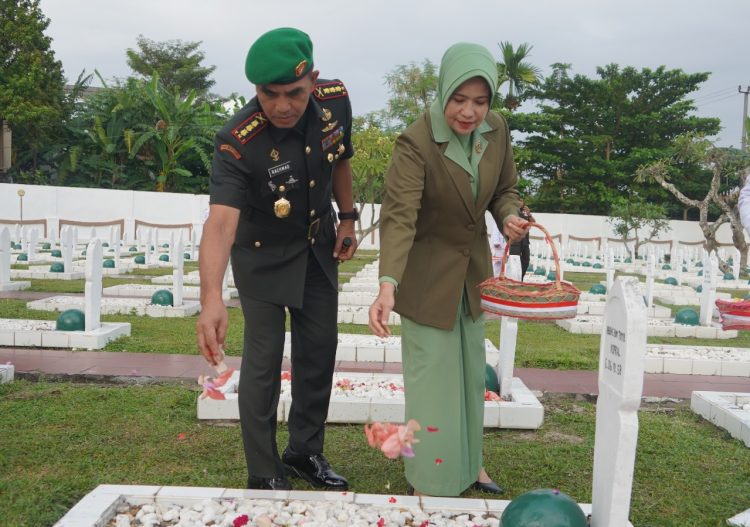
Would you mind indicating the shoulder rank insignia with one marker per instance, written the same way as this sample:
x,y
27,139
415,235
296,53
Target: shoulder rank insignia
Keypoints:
x,y
250,127
232,150
330,90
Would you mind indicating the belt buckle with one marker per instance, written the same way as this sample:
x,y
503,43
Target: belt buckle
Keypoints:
x,y
313,228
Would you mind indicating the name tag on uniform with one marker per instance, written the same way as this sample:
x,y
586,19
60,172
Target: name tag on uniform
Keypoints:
x,y
279,170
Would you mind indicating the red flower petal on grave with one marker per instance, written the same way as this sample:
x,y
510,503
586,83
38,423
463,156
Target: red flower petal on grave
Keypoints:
x,y
286,376
391,500
438,461
181,436
432,428
239,521
425,523
381,522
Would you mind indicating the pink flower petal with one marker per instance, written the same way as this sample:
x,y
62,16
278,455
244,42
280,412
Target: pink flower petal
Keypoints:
x,y
432,429
181,436
438,461
391,500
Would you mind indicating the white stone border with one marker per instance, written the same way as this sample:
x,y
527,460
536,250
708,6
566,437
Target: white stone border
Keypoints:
x,y
109,307
89,340
46,275
15,286
7,373
689,366
144,290
523,411
594,327
724,409
98,507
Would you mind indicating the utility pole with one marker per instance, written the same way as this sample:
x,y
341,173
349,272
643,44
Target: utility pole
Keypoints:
x,y
744,116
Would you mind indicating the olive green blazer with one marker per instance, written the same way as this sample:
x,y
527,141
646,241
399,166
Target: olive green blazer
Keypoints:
x,y
433,236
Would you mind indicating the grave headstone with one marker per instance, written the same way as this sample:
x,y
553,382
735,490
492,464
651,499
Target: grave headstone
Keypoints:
x,y
92,234
4,256
33,240
193,242
650,271
736,256
147,247
622,356
707,293
677,266
178,272
66,248
93,287
116,246
610,263
508,336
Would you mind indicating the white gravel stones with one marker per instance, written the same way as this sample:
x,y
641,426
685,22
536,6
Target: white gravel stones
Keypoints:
x,y
14,324
277,513
699,352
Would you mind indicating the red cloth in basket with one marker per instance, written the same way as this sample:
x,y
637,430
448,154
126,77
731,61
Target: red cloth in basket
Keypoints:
x,y
734,314
550,301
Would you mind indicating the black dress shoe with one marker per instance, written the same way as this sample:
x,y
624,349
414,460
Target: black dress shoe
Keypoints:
x,y
490,487
277,483
313,469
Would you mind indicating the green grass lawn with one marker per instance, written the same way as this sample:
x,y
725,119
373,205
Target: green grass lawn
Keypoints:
x,y
60,440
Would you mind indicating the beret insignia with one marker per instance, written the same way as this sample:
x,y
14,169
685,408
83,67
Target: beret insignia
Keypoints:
x,y
300,69
330,90
250,127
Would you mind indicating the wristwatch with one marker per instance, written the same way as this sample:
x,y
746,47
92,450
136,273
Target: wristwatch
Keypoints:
x,y
353,215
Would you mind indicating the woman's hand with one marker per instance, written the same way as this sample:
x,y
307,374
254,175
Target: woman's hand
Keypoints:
x,y
381,309
515,228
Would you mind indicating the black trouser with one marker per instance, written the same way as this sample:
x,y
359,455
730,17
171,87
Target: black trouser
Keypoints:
x,y
314,339
525,259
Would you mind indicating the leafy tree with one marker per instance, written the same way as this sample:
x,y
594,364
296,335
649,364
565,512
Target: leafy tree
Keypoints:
x,y
373,147
588,137
32,98
413,88
725,167
637,216
183,129
516,73
176,63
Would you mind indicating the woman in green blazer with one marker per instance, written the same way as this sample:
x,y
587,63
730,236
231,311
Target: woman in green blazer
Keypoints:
x,y
449,167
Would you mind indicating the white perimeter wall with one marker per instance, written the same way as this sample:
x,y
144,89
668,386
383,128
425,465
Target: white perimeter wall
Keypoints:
x,y
97,205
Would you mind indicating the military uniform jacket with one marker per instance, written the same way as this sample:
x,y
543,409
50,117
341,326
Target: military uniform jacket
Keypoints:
x,y
256,165
433,236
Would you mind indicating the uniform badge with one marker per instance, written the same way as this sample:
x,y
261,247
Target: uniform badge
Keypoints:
x,y
478,147
274,154
341,149
330,126
326,114
330,90
282,208
333,138
232,150
250,127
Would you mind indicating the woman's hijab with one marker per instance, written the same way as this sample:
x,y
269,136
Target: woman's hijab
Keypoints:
x,y
460,63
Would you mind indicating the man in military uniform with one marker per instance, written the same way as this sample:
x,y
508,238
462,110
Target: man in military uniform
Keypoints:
x,y
276,164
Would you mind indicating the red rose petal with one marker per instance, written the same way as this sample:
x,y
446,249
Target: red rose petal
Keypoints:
x,y
438,461
381,522
432,429
391,500
180,437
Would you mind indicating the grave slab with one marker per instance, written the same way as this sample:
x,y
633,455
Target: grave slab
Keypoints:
x,y
42,333
117,306
144,290
727,410
99,507
7,373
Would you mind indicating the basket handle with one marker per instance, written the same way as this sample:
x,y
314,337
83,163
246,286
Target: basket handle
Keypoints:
x,y
551,243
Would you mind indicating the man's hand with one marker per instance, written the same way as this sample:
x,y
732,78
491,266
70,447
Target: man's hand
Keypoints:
x,y
344,251
515,228
381,309
211,329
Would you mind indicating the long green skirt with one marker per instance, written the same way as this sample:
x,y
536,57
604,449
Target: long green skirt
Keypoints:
x,y
444,388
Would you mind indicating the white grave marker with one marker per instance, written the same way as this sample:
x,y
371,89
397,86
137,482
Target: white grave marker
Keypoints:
x,y
622,356
33,240
610,265
508,336
66,248
193,242
116,246
650,271
736,263
93,288
177,272
707,293
4,256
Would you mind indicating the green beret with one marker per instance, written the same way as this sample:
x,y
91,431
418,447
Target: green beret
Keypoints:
x,y
281,56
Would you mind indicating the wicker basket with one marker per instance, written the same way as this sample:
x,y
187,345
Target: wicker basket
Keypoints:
x,y
504,296
735,314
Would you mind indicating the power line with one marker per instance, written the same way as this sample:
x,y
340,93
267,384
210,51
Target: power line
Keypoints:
x,y
715,94
717,100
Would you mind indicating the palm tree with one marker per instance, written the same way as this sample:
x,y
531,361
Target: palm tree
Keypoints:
x,y
517,73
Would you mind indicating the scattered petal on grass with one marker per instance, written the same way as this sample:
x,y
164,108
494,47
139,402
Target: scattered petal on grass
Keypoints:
x,y
432,429
438,461
181,436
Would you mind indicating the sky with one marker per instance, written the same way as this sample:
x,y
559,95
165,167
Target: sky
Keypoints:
x,y
361,41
